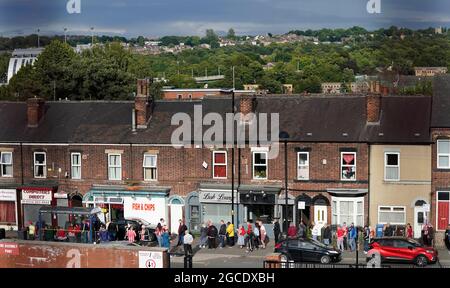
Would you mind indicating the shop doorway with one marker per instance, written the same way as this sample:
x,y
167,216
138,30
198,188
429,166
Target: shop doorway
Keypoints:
x,y
420,218
303,211
176,213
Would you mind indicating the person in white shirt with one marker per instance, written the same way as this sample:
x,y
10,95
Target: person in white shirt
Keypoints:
x,y
187,241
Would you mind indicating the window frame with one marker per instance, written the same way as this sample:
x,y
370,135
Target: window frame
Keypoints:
x,y
150,167
6,164
44,165
337,211
342,166
119,166
260,165
72,166
392,211
391,166
220,164
442,154
302,165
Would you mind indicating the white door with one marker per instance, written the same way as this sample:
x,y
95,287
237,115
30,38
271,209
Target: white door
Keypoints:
x,y
176,213
420,218
320,215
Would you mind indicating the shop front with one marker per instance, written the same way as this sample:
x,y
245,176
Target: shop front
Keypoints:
x,y
215,201
348,206
32,199
129,202
8,209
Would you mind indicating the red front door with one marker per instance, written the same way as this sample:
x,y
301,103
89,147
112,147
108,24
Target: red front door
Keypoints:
x,y
443,215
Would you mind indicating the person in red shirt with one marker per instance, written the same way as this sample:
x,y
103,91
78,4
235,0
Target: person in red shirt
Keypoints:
x,y
340,237
61,234
292,231
409,231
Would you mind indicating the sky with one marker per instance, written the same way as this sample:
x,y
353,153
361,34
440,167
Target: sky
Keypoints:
x,y
153,18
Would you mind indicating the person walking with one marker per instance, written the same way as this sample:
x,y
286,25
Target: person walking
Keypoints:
x,y
241,236
203,236
327,235
340,238
352,233
409,231
188,239
276,230
263,235
222,234
181,229
230,234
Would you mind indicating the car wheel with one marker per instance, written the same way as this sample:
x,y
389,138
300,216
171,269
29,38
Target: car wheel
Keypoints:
x,y
421,261
325,259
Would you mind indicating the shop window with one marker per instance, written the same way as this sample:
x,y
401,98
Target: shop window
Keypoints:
x,y
392,166
259,165
348,210
303,165
348,166
6,164
76,165
443,150
40,165
114,167
391,214
8,212
220,164
150,167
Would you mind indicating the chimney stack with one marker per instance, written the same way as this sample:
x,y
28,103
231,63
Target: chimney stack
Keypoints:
x,y
141,103
373,107
247,104
35,111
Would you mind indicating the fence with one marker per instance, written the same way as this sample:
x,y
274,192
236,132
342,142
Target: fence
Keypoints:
x,y
302,265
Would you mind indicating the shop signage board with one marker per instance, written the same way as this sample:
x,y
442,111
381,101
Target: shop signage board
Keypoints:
x,y
150,259
148,209
221,197
7,195
9,248
301,205
37,196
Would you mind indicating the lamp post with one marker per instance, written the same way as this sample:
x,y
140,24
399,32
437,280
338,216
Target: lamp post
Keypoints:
x,y
285,136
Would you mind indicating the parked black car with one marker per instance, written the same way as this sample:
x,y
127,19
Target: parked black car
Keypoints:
x,y
307,250
136,225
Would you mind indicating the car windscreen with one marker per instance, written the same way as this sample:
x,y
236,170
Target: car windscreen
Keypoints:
x,y
317,243
414,242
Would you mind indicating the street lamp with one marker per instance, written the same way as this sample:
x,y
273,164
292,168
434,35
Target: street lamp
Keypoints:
x,y
285,136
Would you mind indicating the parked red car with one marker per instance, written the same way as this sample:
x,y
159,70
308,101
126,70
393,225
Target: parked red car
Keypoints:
x,y
401,249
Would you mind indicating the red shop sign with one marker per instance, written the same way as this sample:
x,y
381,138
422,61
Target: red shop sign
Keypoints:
x,y
9,248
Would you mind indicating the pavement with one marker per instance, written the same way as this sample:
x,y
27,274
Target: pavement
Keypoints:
x,y
235,257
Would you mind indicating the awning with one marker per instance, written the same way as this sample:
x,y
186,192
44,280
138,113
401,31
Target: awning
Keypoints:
x,y
125,191
343,192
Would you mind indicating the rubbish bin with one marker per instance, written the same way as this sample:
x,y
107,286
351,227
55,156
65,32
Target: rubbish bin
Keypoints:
x,y
379,230
2,233
22,234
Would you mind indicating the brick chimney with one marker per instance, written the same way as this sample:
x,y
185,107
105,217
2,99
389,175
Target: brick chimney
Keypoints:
x,y
35,111
373,107
141,103
247,104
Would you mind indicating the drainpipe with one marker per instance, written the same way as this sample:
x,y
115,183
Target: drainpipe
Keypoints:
x,y
131,161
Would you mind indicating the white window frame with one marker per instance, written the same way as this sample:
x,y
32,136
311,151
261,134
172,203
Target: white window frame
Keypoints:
x,y
150,167
37,164
72,165
355,201
342,166
6,164
442,154
391,210
260,165
220,164
115,166
391,166
302,165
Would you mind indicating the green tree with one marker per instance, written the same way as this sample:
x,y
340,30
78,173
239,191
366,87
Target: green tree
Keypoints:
x,y
231,34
